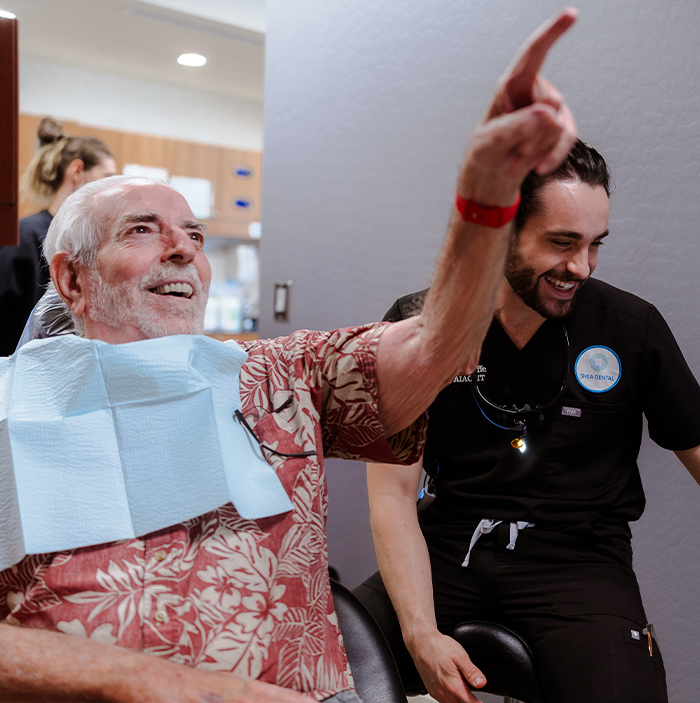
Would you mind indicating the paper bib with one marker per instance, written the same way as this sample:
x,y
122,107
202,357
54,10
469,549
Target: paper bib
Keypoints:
x,y
101,442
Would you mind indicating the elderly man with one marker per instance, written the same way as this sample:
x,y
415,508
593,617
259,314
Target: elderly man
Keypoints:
x,y
239,592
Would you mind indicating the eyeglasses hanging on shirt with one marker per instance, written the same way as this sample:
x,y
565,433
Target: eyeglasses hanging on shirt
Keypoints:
x,y
514,418
293,455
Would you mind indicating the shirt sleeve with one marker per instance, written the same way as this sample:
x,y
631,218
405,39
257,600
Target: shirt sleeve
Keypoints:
x,y
350,418
334,375
672,403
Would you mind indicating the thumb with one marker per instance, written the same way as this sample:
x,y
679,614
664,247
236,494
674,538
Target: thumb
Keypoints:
x,y
471,672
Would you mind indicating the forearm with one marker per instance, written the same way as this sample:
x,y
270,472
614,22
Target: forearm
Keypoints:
x,y
459,306
401,553
40,666
442,663
37,665
419,356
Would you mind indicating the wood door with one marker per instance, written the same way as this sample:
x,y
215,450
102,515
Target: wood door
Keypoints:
x,y
9,133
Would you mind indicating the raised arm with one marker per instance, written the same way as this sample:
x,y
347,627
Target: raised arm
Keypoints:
x,y
526,126
404,563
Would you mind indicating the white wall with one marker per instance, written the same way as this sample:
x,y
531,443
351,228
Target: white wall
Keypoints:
x,y
368,106
106,100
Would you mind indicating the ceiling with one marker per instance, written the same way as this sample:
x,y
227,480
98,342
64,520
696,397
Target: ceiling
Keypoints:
x,y
142,39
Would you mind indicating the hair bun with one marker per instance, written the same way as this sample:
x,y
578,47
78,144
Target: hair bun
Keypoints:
x,y
50,131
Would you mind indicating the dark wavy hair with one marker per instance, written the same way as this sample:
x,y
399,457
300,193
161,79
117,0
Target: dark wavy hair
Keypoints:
x,y
583,164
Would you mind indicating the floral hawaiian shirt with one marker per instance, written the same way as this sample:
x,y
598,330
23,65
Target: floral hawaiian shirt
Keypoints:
x,y
220,592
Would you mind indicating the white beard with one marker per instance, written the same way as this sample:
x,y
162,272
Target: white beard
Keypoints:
x,y
122,304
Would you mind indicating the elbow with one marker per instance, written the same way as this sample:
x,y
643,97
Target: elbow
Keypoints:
x,y
447,357
462,365
471,363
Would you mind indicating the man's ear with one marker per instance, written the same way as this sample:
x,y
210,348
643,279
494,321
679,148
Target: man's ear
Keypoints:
x,y
68,278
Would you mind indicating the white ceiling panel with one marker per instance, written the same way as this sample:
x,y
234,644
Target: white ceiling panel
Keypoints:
x,y
143,39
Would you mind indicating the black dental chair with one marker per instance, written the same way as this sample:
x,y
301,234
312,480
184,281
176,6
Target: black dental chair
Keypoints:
x,y
502,655
376,677
504,658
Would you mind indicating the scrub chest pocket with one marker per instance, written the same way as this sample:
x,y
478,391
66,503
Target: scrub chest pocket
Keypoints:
x,y
592,445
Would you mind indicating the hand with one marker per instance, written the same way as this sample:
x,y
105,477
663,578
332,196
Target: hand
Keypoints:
x,y
521,85
527,125
446,668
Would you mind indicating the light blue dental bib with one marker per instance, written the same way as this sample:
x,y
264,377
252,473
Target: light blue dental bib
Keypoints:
x,y
102,442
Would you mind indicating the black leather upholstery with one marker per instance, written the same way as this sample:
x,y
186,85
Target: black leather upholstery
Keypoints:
x,y
504,657
376,677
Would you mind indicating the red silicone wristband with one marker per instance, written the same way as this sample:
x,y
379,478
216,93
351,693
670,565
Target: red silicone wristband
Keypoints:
x,y
486,215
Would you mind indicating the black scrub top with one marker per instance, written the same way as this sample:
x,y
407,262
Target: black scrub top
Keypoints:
x,y
580,463
23,278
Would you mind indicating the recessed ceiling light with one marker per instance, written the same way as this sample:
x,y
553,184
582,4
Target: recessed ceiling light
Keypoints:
x,y
191,60
7,15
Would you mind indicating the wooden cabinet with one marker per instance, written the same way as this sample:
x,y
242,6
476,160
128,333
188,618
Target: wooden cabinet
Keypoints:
x,y
236,173
110,137
145,150
200,161
241,184
194,160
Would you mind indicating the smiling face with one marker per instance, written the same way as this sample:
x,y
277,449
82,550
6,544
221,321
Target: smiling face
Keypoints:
x,y
557,249
151,277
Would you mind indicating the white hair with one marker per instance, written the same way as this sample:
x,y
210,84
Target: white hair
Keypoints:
x,y
78,227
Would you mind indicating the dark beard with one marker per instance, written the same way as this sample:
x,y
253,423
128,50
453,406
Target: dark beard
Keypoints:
x,y
525,283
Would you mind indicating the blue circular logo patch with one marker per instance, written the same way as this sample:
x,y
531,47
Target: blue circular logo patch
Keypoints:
x,y
598,369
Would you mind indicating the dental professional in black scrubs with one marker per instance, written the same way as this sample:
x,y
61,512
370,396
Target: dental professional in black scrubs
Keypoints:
x,y
533,468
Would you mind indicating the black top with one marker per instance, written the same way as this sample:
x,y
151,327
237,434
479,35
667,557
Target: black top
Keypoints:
x,y
580,462
23,278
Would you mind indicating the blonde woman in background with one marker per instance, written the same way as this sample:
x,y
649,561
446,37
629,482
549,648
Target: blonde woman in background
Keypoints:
x,y
59,168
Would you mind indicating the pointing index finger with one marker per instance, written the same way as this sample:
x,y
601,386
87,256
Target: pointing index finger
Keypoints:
x,y
522,74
